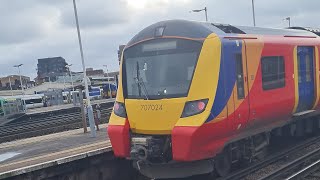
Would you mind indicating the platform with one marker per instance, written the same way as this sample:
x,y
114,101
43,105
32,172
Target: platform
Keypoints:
x,y
35,153
64,106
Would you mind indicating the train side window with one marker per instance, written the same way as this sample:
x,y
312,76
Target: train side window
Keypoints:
x,y
308,68
273,72
239,76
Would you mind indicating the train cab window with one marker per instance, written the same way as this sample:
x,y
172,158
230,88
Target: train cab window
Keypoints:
x,y
239,76
273,72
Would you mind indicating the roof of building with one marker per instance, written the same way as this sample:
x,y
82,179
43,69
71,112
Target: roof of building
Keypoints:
x,y
50,58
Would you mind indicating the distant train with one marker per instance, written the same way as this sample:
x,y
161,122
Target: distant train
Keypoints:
x,y
10,105
29,101
196,97
109,90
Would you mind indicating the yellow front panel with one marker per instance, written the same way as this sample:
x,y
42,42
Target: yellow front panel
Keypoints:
x,y
119,97
205,80
116,120
154,116
160,116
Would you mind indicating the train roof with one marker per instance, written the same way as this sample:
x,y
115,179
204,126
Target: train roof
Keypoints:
x,y
313,30
199,30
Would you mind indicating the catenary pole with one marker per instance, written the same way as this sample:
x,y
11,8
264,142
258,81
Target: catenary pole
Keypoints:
x,y
89,107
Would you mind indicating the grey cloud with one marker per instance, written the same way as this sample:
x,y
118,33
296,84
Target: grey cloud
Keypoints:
x,y
95,15
43,28
22,23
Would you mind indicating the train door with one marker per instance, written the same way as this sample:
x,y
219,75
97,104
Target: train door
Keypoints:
x,y
305,58
241,102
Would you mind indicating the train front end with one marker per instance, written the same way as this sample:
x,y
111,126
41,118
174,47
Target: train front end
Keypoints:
x,y
168,81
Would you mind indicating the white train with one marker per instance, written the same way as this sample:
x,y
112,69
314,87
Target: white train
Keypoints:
x,y
29,101
32,101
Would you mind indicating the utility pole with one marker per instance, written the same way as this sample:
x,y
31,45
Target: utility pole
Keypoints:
x,y
108,80
253,14
69,65
89,107
199,10
18,66
10,85
288,19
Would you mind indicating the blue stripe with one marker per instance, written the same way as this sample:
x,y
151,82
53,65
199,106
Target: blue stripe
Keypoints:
x,y
227,76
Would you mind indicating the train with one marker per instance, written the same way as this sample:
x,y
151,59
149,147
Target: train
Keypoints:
x,y
10,107
197,97
109,90
29,101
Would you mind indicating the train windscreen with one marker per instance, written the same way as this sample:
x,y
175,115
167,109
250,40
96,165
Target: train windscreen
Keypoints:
x,y
160,68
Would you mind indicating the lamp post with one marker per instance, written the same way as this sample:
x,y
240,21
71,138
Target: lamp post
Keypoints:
x,y
108,79
18,66
288,19
89,107
69,66
205,11
10,85
253,14
64,82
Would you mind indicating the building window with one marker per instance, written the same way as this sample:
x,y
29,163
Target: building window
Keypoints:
x,y
273,72
239,76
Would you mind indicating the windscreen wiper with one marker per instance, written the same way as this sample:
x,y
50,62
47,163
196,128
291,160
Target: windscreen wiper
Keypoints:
x,y
139,82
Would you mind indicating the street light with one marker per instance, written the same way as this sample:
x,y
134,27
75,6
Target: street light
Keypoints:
x,y
253,14
288,19
199,10
10,85
18,66
89,107
108,79
69,66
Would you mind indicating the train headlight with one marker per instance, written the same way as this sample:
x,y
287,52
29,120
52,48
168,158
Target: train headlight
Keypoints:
x,y
194,107
119,109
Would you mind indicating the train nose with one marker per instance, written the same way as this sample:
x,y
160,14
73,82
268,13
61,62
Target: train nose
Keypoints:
x,y
154,116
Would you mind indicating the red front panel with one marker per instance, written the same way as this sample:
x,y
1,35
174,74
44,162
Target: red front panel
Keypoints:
x,y
120,140
195,143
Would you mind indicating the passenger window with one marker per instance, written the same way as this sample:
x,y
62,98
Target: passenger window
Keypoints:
x,y
299,69
239,76
273,72
308,68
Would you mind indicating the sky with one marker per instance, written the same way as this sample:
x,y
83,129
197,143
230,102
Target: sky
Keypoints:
x,y
33,29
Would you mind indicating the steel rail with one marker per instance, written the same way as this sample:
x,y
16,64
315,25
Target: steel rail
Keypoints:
x,y
269,160
46,125
304,170
282,172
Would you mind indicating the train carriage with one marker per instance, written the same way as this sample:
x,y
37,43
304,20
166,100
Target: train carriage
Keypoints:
x,y
198,96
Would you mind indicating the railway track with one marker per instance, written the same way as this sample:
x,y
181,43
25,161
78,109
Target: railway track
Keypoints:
x,y
308,163
47,123
310,172
244,172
